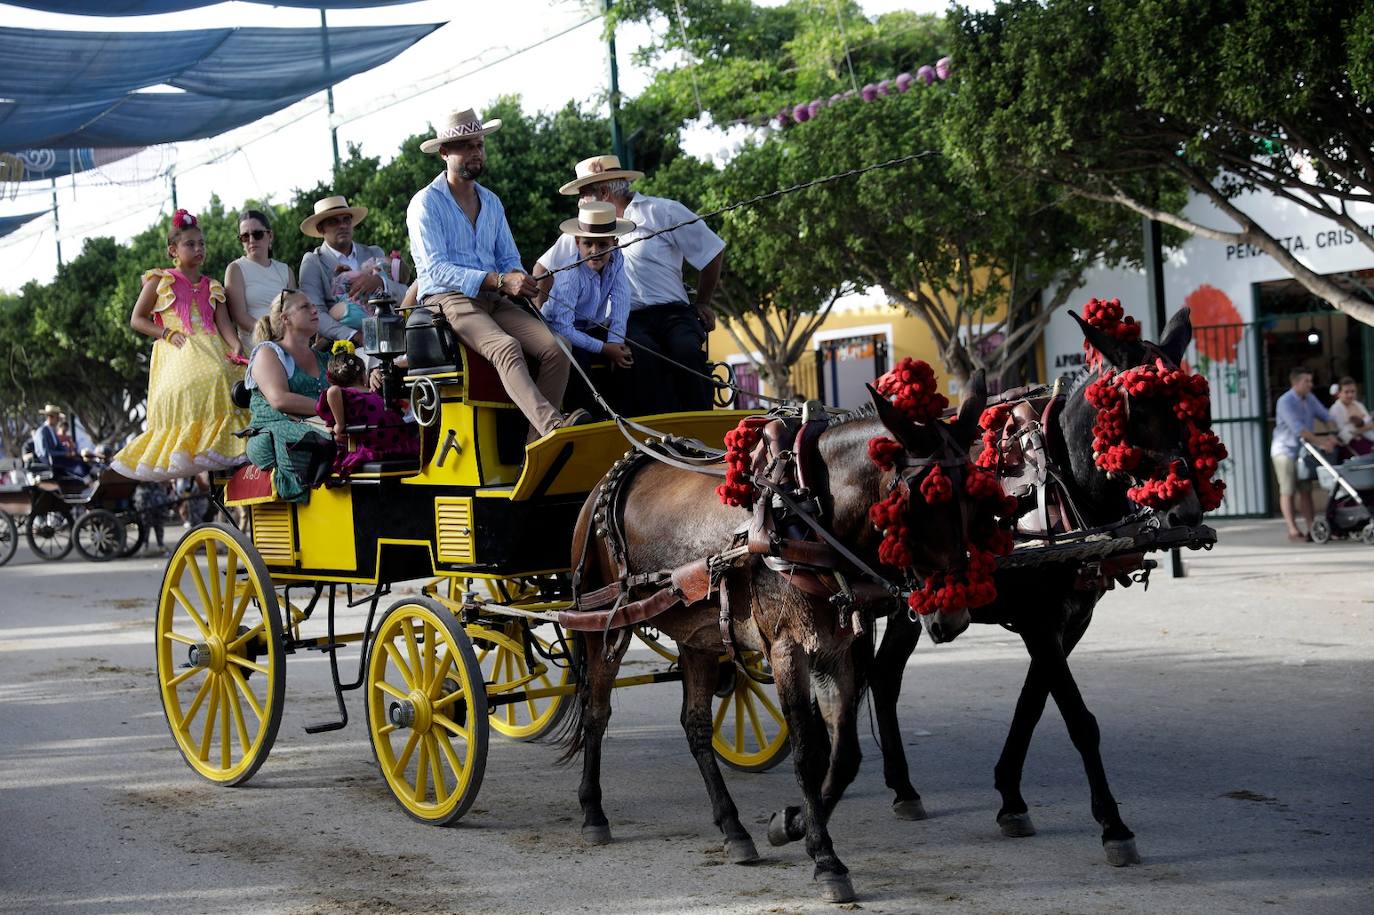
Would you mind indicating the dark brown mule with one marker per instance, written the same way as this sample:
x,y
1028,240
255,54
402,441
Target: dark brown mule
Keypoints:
x,y
673,517
1050,608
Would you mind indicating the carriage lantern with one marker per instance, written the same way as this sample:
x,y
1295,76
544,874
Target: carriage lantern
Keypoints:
x,y
384,336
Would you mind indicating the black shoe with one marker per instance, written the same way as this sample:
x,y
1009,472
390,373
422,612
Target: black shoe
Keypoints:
x,y
578,417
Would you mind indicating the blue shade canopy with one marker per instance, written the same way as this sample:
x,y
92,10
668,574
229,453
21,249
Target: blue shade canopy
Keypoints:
x,y
153,7
9,224
76,89
42,164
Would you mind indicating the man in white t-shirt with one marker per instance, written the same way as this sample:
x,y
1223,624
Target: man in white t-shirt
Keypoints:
x,y
661,320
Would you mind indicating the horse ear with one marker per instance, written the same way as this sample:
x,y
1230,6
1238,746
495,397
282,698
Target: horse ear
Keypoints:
x,y
1178,333
1117,355
914,438
965,425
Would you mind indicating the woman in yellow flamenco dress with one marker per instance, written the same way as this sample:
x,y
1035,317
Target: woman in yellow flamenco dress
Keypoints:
x,y
196,359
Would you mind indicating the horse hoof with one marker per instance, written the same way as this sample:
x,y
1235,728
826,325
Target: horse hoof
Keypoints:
x,y
596,835
909,810
777,829
1121,852
836,887
741,851
1016,825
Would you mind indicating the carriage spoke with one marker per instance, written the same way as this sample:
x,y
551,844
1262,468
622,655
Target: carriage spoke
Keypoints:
x,y
404,757
237,617
386,729
214,609
412,652
209,731
185,675
449,699
748,704
178,637
231,693
765,701
225,738
436,681
720,712
247,693
450,754
451,726
244,662
231,571
739,723
238,642
421,771
401,667
392,691
427,662
199,580
194,614
436,768
194,707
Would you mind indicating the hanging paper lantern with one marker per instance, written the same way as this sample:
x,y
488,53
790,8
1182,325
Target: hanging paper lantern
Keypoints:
x,y
942,68
815,106
837,98
801,113
883,86
926,74
784,116
869,93
903,81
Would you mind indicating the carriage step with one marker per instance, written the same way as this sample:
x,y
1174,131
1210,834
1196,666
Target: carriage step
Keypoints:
x,y
322,726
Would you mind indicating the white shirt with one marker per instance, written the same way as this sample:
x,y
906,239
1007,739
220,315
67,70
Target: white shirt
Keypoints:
x,y
654,267
350,259
1345,426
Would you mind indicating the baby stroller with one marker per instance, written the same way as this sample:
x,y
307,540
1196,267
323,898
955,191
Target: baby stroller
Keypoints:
x,y
1350,503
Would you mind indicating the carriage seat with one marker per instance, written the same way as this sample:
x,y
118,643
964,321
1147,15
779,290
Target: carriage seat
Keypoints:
x,y
432,348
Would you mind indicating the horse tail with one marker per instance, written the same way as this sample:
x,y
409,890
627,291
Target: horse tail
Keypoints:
x,y
570,735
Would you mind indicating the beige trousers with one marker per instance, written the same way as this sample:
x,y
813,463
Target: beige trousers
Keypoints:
x,y
503,332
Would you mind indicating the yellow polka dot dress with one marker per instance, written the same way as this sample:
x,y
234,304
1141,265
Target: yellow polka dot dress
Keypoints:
x,y
191,419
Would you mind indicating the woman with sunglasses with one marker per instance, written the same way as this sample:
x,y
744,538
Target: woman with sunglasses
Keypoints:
x,y
254,280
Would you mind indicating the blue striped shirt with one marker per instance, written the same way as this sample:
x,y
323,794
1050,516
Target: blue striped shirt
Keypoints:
x,y
451,253
582,298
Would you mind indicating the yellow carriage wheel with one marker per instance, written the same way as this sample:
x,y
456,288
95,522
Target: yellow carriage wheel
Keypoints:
x,y
427,711
220,667
501,654
749,732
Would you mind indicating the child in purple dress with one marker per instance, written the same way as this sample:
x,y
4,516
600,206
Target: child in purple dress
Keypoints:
x,y
349,402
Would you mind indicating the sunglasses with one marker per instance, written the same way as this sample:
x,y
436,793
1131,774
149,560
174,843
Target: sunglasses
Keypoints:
x,y
256,235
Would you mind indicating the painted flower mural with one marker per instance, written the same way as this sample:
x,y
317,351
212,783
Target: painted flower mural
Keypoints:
x,y
1212,309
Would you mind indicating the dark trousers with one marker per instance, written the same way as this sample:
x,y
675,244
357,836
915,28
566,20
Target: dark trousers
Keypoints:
x,y
654,385
598,367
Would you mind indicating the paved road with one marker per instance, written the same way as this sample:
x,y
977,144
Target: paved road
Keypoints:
x,y
1234,706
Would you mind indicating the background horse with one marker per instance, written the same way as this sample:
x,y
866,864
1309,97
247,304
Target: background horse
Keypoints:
x,y
673,517
1045,606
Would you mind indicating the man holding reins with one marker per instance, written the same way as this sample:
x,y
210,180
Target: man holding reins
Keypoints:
x,y
468,265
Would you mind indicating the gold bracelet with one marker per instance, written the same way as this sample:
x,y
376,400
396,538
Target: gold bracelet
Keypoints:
x,y
500,281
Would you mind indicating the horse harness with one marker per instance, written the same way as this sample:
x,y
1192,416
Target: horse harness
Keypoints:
x,y
787,528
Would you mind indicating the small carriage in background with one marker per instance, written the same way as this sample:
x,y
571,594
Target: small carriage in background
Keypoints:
x,y
486,523
97,518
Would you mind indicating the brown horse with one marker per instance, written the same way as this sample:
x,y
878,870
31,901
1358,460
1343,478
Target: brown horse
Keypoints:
x,y
672,517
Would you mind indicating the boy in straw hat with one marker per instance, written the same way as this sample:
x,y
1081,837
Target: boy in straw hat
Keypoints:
x,y
334,221
661,319
589,303
468,266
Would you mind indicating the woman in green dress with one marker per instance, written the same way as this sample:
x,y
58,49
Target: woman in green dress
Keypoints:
x,y
286,377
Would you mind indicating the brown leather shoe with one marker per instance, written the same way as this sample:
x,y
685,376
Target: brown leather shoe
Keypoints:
x,y
578,417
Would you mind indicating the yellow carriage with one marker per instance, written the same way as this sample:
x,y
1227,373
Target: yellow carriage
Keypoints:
x,y
485,523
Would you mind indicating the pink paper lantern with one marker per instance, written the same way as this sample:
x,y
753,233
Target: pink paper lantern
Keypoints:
x,y
903,81
801,114
943,67
883,86
869,92
926,74
815,107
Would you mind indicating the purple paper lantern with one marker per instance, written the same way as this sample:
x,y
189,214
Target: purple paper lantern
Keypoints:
x,y
884,86
942,67
926,74
869,93
903,81
784,117
801,114
837,98
814,107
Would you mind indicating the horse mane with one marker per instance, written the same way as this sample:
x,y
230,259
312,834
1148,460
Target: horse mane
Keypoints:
x,y
865,412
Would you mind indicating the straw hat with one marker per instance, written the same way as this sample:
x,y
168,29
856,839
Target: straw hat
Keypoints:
x,y
459,125
330,206
596,220
53,410
598,168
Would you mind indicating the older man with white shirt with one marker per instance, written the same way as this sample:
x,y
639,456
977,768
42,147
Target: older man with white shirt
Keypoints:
x,y
661,319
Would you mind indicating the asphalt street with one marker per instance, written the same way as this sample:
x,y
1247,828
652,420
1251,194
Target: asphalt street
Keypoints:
x,y
1234,706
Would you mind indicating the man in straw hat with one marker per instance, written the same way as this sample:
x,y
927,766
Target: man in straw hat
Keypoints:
x,y
334,221
661,319
468,266
590,303
49,448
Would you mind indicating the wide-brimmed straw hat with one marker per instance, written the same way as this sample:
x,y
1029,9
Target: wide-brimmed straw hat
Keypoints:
x,y
598,168
459,125
330,206
52,410
596,220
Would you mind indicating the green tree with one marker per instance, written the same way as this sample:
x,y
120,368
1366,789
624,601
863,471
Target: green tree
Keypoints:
x,y
1137,102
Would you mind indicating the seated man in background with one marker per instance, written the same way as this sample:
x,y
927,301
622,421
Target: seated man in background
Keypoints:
x,y
50,448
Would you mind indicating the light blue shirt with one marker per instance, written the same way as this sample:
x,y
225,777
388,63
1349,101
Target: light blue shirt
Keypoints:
x,y
1294,415
451,253
583,297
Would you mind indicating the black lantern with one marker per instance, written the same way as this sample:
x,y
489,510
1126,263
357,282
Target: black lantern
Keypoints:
x,y
384,336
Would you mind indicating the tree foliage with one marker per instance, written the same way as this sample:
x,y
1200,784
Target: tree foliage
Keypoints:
x,y
1137,102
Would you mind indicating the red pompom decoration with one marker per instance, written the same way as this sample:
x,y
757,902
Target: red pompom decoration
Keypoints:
x,y
912,388
1108,316
183,219
883,451
738,488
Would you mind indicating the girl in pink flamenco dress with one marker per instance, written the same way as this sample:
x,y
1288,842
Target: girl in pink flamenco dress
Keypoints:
x,y
349,402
